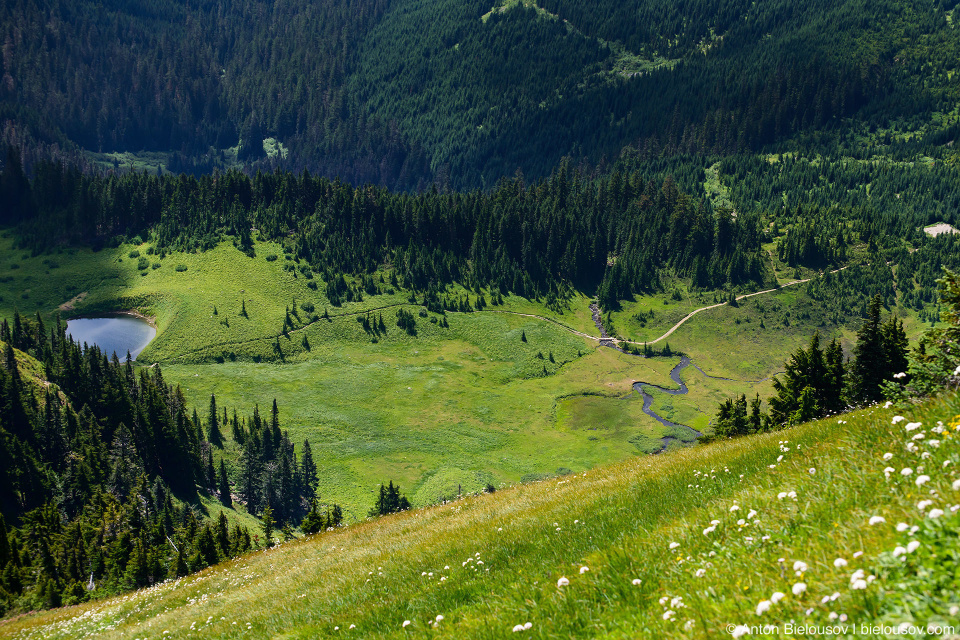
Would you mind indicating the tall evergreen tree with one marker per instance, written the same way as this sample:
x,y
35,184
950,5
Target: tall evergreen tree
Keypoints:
x,y
214,436
868,369
223,486
308,472
881,352
267,524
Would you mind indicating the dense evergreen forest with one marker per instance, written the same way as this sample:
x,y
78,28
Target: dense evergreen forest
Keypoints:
x,y
401,93
620,233
528,239
102,468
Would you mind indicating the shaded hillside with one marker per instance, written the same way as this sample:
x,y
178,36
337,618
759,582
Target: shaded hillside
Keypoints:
x,y
403,92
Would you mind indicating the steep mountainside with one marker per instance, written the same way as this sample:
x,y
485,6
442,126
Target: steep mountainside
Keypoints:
x,y
401,92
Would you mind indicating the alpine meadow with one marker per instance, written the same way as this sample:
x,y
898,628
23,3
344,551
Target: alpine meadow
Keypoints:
x,y
510,318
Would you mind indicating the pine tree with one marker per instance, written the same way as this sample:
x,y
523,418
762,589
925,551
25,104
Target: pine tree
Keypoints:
x,y
214,436
868,365
14,190
313,522
4,543
238,432
224,486
275,425
308,472
389,501
808,368
180,567
211,474
221,535
266,523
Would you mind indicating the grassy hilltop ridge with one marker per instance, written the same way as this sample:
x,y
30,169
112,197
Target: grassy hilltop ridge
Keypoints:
x,y
807,513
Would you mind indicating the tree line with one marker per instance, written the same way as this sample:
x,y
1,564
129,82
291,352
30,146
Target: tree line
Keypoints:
x,y
818,381
529,239
102,467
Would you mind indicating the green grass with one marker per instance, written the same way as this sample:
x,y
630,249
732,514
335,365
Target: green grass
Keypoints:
x,y
642,520
450,409
434,416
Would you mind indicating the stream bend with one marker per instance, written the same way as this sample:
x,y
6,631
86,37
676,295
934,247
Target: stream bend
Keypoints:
x,y
641,387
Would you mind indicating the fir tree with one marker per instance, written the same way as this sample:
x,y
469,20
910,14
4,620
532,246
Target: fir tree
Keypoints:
x,y
308,472
267,522
214,436
223,486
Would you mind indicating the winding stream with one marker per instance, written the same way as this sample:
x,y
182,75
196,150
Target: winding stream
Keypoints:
x,y
641,387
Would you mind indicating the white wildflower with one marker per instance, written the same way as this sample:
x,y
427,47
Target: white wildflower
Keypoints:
x,y
562,582
839,562
799,588
763,607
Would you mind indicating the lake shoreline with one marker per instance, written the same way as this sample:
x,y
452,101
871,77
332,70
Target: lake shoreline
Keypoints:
x,y
126,331
150,320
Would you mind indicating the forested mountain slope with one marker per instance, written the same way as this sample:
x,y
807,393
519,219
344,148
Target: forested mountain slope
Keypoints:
x,y
402,92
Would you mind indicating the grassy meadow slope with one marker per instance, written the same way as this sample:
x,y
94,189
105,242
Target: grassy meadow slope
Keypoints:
x,y
685,545
452,408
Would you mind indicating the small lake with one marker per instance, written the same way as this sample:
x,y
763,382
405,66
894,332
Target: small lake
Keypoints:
x,y
113,334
